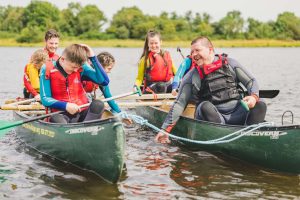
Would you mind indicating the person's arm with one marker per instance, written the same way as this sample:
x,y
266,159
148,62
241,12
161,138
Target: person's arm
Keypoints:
x,y
46,95
183,68
96,74
112,103
248,80
27,83
141,71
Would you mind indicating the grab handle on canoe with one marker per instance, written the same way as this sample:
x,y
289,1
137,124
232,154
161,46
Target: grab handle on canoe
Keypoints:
x,y
283,115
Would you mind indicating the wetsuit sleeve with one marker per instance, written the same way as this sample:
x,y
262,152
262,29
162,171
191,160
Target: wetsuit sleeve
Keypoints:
x,y
97,74
27,83
141,71
184,96
46,95
244,77
107,94
183,69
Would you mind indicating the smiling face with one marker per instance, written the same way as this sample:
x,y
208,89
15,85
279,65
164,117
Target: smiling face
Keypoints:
x,y
52,44
154,44
202,54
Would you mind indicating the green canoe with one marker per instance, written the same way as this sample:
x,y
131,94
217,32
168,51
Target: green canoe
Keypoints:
x,y
274,147
97,146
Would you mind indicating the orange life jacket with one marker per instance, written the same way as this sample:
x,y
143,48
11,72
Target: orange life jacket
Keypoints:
x,y
160,69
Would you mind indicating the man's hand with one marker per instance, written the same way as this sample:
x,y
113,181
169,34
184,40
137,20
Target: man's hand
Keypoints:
x,y
127,121
37,97
162,138
174,92
250,101
72,108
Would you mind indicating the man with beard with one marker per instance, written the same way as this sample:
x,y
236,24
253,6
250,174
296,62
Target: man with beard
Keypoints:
x,y
52,42
212,85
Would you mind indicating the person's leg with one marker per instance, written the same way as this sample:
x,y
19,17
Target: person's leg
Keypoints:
x,y
208,112
25,93
59,118
158,87
93,112
236,115
257,114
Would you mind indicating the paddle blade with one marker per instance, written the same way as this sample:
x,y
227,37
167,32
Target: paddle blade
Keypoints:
x,y
6,126
4,131
268,93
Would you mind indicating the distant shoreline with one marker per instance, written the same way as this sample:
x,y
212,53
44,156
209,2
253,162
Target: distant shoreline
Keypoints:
x,y
4,42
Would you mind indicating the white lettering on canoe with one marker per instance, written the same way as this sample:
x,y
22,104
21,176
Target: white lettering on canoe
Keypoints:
x,y
274,135
92,129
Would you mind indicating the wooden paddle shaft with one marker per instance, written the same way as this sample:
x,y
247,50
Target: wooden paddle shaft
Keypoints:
x,y
149,97
22,107
144,103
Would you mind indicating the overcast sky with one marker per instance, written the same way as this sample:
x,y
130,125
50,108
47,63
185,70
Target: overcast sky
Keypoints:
x,y
263,10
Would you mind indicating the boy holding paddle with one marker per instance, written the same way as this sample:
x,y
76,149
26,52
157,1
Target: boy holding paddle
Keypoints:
x,y
62,89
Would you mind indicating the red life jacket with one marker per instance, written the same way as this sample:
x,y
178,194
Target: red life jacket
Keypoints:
x,y
209,68
52,56
89,86
67,89
160,69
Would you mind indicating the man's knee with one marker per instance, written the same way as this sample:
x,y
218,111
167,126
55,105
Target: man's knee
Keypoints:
x,y
61,119
97,106
257,114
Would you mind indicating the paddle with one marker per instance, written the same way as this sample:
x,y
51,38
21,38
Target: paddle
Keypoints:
x,y
7,124
26,101
268,93
179,50
262,94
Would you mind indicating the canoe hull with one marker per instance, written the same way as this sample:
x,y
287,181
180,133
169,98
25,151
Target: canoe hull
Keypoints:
x,y
273,147
97,146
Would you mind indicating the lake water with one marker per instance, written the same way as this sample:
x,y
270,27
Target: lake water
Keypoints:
x,y
153,171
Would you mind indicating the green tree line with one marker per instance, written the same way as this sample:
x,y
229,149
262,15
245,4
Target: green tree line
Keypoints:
x,y
28,24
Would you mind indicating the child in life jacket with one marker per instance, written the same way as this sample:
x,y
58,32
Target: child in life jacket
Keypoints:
x,y
155,69
31,74
62,89
107,61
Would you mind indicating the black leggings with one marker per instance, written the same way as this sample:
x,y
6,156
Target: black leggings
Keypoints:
x,y
94,111
238,116
159,87
257,114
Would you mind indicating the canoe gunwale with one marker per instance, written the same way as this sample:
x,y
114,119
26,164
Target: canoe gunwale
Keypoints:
x,y
268,146
88,123
275,127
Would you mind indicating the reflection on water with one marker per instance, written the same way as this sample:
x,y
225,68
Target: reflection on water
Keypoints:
x,y
153,171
